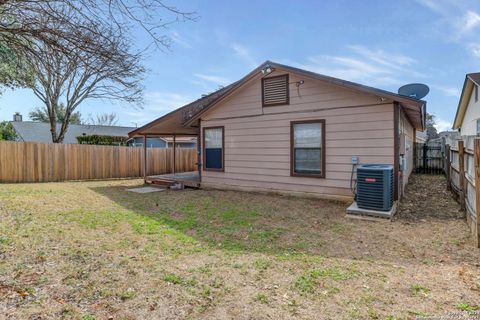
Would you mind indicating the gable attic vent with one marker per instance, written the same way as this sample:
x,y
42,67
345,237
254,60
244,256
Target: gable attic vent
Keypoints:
x,y
275,91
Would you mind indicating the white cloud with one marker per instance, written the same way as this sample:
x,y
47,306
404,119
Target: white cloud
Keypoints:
x,y
164,101
391,60
370,66
180,40
457,20
448,91
221,81
156,104
469,22
442,125
475,49
244,54
434,5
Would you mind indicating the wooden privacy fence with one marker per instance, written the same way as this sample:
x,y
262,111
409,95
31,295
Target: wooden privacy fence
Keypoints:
x,y
462,167
44,162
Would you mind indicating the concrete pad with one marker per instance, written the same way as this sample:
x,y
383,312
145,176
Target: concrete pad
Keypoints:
x,y
355,211
145,190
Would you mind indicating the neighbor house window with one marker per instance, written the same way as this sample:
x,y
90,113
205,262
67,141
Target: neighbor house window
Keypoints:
x,y
308,148
213,148
478,127
476,93
275,91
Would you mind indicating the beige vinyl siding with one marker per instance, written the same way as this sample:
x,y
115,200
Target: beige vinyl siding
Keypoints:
x,y
257,140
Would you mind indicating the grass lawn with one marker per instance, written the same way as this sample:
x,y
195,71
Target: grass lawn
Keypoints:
x,y
91,250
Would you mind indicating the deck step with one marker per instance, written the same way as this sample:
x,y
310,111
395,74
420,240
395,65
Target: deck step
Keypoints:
x,y
161,182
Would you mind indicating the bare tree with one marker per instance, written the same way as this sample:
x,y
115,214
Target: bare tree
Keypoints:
x,y
61,24
104,119
80,75
81,49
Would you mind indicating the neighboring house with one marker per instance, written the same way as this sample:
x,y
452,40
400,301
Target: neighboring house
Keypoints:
x,y
421,137
152,142
467,118
182,142
449,135
31,131
165,142
289,130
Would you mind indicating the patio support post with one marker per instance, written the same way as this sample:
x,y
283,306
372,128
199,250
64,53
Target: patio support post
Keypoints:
x,y
144,159
477,190
174,153
461,172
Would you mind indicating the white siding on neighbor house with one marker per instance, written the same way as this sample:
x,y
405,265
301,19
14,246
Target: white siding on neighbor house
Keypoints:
x,y
469,123
257,140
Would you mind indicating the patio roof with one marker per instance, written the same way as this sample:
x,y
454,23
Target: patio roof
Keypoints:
x,y
170,124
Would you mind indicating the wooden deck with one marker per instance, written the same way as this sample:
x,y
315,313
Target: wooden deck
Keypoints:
x,y
185,179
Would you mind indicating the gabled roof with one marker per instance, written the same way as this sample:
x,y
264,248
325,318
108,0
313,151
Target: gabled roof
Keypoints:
x,y
187,115
31,131
471,80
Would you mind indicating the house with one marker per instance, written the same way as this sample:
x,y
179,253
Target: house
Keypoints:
x,y
31,131
182,142
163,142
421,137
467,118
152,142
289,130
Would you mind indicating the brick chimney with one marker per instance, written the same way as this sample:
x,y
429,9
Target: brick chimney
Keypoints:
x,y
17,117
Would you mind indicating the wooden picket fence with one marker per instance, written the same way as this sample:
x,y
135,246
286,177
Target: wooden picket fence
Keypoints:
x,y
44,162
462,168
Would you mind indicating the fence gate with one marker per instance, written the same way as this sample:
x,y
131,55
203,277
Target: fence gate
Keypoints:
x,y
430,157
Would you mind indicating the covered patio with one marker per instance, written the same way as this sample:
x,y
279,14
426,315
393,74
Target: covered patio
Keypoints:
x,y
170,127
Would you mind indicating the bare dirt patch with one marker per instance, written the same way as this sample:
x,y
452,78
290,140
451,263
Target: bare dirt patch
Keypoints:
x,y
427,197
91,250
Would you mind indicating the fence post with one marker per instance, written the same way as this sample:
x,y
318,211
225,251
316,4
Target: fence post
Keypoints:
x,y
461,172
144,159
447,165
477,191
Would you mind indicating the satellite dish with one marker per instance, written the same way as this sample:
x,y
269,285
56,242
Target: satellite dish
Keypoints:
x,y
414,90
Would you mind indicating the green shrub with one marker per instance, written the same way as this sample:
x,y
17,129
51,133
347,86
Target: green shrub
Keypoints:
x,y
102,140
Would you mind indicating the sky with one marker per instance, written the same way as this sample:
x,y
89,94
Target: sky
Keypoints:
x,y
384,44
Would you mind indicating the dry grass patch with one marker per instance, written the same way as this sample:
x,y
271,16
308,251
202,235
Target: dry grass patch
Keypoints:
x,y
91,250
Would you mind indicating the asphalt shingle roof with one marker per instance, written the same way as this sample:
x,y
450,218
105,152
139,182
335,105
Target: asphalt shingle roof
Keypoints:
x,y
475,77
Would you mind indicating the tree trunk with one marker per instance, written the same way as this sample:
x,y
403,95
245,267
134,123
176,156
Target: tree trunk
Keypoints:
x,y
53,122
